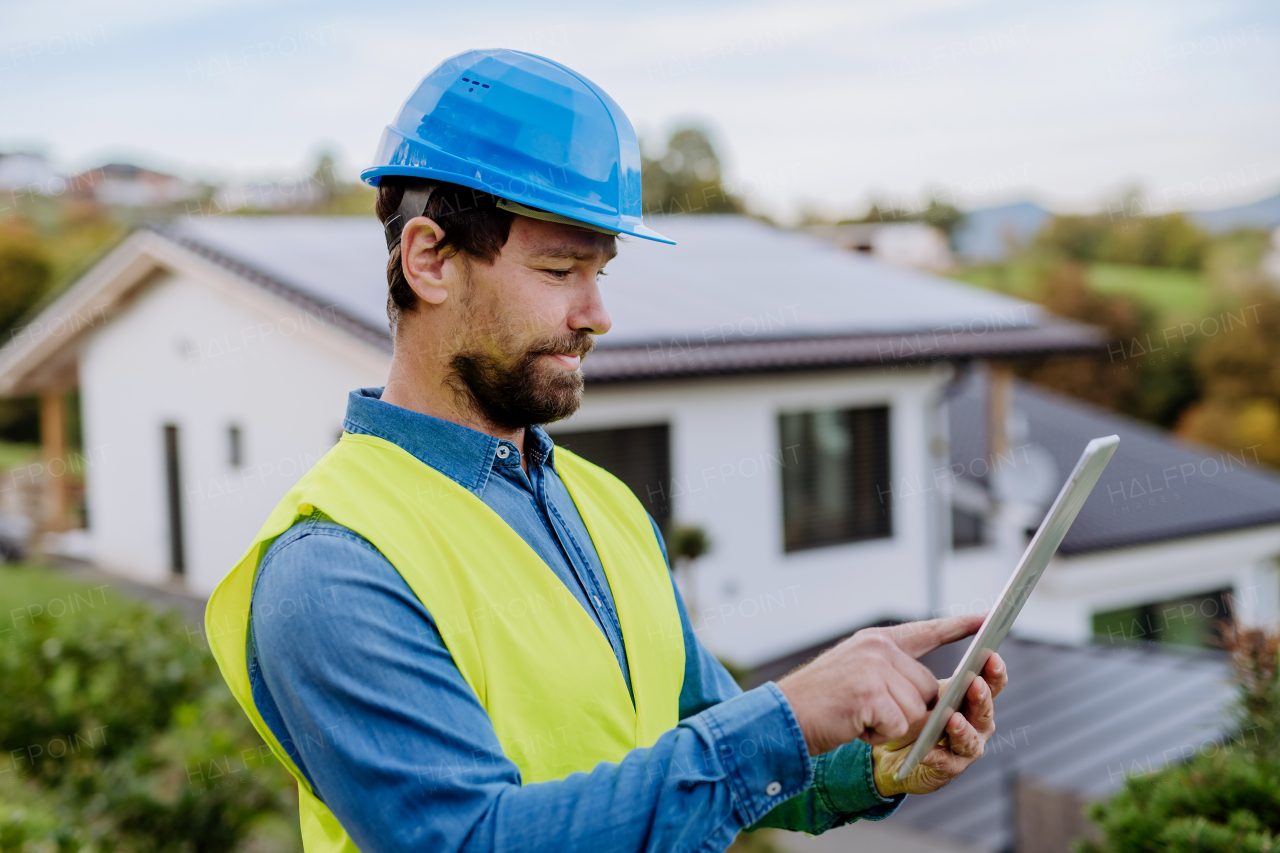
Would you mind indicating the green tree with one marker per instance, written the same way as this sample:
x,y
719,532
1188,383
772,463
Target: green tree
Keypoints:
x,y
1080,238
1170,240
1154,241
1101,380
26,272
325,174
686,178
1239,370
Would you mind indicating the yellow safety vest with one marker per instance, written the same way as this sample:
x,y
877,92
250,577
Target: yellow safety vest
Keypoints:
x,y
541,668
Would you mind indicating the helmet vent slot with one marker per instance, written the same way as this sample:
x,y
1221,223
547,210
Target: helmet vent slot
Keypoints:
x,y
475,83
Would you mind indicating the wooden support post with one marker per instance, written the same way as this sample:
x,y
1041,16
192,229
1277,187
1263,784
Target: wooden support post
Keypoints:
x,y
53,447
999,400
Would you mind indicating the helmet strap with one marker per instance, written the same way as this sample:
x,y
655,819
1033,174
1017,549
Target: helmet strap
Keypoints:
x,y
412,204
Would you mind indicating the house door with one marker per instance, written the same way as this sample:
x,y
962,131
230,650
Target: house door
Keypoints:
x,y
173,483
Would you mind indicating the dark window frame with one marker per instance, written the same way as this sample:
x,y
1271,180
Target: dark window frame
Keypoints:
x,y
235,446
968,529
173,494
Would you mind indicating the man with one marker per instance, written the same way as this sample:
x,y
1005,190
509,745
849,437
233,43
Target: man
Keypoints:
x,y
459,637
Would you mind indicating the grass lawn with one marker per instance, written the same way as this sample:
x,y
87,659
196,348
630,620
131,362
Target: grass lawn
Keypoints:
x,y
27,590
1172,294
15,454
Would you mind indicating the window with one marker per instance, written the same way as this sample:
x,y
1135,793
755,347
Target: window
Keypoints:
x,y
835,476
638,456
235,447
1191,621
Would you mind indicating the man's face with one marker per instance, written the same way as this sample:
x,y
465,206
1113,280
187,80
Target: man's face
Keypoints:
x,y
527,320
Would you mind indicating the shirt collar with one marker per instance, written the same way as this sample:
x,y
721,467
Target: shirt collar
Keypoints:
x,y
464,455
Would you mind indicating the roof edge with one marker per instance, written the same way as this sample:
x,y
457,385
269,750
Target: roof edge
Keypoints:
x,y
677,359
1260,520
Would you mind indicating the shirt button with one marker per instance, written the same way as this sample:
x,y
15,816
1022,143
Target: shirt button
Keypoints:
x,y
503,451
596,599
773,789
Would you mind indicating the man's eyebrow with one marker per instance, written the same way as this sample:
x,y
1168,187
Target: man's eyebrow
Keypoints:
x,y
567,251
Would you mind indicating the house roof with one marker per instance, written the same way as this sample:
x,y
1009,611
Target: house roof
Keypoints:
x,y
1156,487
1077,720
735,295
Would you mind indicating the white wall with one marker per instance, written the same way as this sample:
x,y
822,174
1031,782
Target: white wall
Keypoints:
x,y
1074,588
753,602
205,355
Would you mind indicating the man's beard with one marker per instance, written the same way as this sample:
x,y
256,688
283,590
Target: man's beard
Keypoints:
x,y
514,394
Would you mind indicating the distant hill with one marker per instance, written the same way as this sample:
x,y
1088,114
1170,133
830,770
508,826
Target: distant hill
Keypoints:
x,y
1263,214
987,234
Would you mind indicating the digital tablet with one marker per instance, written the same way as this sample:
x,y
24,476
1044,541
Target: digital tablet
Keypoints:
x,y
1044,544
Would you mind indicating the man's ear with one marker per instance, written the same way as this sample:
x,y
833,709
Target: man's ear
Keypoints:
x,y
422,262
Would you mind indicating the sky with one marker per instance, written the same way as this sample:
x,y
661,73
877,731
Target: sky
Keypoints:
x,y
814,106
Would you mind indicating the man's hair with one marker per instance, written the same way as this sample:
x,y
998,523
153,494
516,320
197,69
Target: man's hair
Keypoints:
x,y
472,223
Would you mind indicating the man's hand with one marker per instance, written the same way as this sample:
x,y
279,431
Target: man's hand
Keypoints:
x,y
871,687
965,739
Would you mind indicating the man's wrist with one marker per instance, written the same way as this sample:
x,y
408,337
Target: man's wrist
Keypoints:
x,y
760,746
882,774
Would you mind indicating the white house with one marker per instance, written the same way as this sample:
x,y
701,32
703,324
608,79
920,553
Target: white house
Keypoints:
x,y
908,244
794,399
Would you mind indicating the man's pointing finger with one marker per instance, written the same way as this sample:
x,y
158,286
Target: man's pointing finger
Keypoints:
x,y
918,638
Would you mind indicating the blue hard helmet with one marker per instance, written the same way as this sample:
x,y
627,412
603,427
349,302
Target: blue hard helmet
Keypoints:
x,y
525,129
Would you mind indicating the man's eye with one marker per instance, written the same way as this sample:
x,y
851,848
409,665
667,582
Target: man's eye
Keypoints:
x,y
561,275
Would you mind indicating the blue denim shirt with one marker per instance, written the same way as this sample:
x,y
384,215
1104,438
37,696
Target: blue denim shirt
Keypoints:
x,y
351,675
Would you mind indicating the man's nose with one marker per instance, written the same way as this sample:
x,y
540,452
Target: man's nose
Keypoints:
x,y
591,315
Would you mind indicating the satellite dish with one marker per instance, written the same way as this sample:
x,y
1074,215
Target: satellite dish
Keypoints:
x,y
1032,478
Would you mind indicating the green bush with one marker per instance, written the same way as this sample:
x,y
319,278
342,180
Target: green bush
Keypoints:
x,y
89,686
119,734
1225,800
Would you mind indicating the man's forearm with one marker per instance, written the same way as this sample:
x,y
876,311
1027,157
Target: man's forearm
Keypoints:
x,y
697,787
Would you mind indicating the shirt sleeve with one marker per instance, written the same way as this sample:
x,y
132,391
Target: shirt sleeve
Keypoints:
x,y
348,669
843,788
